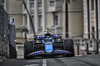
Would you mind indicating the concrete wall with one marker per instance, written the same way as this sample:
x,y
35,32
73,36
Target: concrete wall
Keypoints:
x,y
75,24
49,20
15,6
99,18
14,9
75,17
20,51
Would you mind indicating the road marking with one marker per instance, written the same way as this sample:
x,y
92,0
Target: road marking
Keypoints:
x,y
44,62
72,62
32,65
78,55
34,61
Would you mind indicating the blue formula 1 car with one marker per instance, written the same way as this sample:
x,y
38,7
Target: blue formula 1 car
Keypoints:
x,y
48,45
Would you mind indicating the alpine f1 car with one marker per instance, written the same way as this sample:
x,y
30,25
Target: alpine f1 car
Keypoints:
x,y
48,45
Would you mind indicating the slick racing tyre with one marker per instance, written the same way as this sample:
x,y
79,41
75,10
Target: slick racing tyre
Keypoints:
x,y
69,46
28,48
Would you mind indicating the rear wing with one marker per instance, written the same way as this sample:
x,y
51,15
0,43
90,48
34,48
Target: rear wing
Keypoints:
x,y
41,37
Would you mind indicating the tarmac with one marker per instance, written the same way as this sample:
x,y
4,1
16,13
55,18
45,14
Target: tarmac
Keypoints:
x,y
86,60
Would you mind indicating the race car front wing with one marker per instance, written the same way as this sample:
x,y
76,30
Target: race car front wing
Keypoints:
x,y
58,52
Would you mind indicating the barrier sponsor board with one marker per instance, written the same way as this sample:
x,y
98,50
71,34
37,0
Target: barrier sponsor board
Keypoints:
x,y
12,21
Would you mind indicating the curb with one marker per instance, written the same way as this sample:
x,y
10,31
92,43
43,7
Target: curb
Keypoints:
x,y
1,60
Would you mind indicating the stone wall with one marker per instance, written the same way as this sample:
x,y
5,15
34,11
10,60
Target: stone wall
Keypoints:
x,y
7,35
4,48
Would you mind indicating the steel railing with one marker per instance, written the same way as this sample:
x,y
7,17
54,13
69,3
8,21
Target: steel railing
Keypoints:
x,y
87,42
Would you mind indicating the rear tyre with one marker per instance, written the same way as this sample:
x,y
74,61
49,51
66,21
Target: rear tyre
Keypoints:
x,y
69,46
28,48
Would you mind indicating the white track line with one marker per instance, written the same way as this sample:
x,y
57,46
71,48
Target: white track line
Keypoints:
x,y
32,65
44,62
78,55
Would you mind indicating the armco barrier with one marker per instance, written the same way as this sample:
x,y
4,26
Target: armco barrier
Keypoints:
x,y
91,46
13,53
12,35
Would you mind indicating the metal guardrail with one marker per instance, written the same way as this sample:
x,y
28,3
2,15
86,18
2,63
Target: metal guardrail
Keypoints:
x,y
13,52
87,42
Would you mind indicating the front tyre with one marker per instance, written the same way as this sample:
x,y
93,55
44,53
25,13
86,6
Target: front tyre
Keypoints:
x,y
28,48
69,46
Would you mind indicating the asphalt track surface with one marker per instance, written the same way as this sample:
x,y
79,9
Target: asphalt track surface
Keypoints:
x,y
88,60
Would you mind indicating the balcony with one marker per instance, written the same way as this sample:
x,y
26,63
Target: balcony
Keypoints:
x,y
55,5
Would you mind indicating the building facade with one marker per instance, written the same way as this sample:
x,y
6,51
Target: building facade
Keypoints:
x,y
91,22
52,14
14,9
46,14
91,18
75,18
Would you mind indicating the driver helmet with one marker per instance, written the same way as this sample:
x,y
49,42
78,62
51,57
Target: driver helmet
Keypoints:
x,y
48,30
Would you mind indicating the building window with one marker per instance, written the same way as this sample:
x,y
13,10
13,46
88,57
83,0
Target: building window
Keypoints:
x,y
55,19
91,45
40,21
32,11
99,45
39,0
33,21
93,32
92,4
31,0
25,19
39,4
32,3
82,44
52,3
